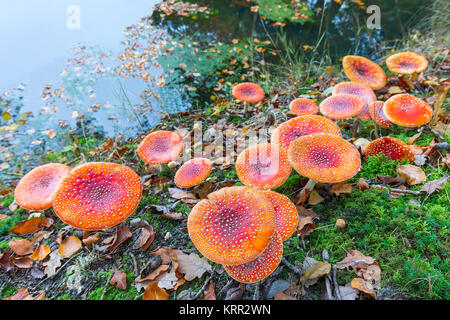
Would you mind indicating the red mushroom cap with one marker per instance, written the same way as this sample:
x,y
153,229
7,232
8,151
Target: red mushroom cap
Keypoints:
x,y
406,63
358,89
97,195
35,190
193,172
303,106
262,266
360,69
392,148
378,116
342,106
248,91
160,147
263,166
300,126
324,157
233,226
407,110
285,212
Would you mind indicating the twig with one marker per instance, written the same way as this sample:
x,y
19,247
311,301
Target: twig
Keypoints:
x,y
291,266
325,257
203,288
377,186
135,268
106,286
443,145
62,267
226,287
257,294
337,293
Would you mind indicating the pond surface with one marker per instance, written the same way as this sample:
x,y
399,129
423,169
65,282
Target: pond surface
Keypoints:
x,y
37,43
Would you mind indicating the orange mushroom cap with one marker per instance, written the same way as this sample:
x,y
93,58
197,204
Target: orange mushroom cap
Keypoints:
x,y
406,63
285,212
358,89
263,166
193,172
160,147
248,91
97,195
407,110
303,106
262,266
377,114
233,226
324,157
392,148
360,69
342,106
290,130
35,190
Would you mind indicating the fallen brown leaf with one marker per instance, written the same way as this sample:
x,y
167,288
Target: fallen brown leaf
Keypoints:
x,y
91,239
22,262
363,286
146,238
31,225
21,294
153,292
119,280
318,270
69,246
123,233
305,225
41,252
209,293
412,174
152,276
193,266
434,185
362,184
315,198
21,247
339,188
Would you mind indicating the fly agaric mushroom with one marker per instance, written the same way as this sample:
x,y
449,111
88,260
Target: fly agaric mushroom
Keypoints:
x,y
160,147
407,110
263,166
260,268
378,116
300,126
248,92
342,106
324,158
35,190
97,195
406,63
360,69
392,148
234,225
303,106
193,172
285,212
358,89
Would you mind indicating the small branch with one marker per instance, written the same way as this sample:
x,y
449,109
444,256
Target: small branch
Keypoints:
x,y
135,268
257,294
226,287
325,257
443,145
203,288
291,266
337,293
377,186
106,286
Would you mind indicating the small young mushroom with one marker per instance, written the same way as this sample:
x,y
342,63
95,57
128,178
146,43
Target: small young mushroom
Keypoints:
x,y
342,106
360,69
263,166
407,110
248,92
260,268
233,226
358,89
378,116
193,172
303,106
290,130
392,148
324,158
160,147
97,195
406,63
285,212
35,190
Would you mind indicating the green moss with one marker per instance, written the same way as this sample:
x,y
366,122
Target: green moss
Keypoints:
x,y
378,165
112,293
8,223
8,291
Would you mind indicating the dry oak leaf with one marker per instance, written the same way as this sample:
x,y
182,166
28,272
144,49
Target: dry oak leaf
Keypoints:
x,y
434,185
91,239
181,194
119,280
53,263
168,255
362,184
411,174
152,276
6,261
123,233
41,235
193,266
146,238
21,294
168,280
363,286
316,271
305,225
153,292
31,225
41,252
355,260
21,247
348,292
69,246
339,188
315,198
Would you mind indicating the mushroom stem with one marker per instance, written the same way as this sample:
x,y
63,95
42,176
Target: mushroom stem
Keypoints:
x,y
245,107
376,131
355,127
307,189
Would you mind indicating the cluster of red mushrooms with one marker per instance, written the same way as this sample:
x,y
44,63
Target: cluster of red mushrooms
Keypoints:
x,y
242,227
